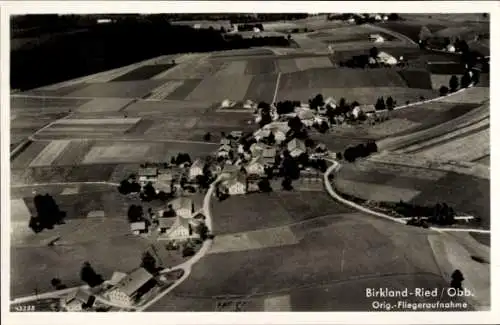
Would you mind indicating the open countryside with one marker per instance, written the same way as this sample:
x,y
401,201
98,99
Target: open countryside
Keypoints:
x,y
281,162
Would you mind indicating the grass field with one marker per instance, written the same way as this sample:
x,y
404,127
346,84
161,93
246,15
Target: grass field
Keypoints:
x,y
416,78
167,107
287,65
260,66
262,87
233,68
446,68
259,211
164,90
50,153
145,72
181,92
99,105
116,153
54,174
217,88
465,193
339,250
121,89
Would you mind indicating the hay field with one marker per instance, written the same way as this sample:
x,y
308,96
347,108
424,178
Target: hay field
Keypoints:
x,y
261,66
104,105
74,153
120,89
164,90
258,239
87,127
124,152
167,107
218,88
262,88
232,68
474,95
314,62
195,69
50,153
286,65
144,72
466,148
375,192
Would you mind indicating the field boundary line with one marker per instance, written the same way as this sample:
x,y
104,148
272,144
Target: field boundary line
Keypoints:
x,y
64,183
124,139
392,33
277,86
336,166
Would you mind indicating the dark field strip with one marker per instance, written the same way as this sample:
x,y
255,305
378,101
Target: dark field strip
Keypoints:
x,y
261,66
438,143
410,30
262,88
57,174
118,89
448,68
140,128
74,153
181,92
63,91
416,78
243,53
39,102
28,154
144,72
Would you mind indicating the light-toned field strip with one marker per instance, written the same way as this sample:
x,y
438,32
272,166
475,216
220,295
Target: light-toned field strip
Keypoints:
x,y
375,192
467,148
275,96
188,70
286,65
401,171
19,210
50,153
258,239
279,303
164,90
311,63
472,95
424,164
392,126
97,121
232,68
446,136
219,88
70,191
98,105
439,80
116,153
76,129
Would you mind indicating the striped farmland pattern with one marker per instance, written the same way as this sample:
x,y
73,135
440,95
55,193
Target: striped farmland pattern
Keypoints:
x,y
50,153
164,90
87,128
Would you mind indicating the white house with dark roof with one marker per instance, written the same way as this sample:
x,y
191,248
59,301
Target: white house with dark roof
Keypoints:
x,y
138,227
75,301
296,147
224,150
269,156
256,149
196,168
256,166
149,174
183,206
236,185
181,230
134,284
225,141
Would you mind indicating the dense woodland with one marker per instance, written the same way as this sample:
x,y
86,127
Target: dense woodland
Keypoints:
x,y
102,47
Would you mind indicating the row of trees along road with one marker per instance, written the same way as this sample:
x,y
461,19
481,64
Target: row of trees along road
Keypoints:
x,y
48,213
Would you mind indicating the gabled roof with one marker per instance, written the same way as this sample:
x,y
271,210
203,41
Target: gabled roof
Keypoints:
x,y
150,171
139,225
239,178
198,163
166,222
230,169
225,141
296,144
134,281
181,203
78,295
269,152
225,147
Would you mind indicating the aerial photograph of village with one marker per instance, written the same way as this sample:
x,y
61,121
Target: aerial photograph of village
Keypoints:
x,y
250,162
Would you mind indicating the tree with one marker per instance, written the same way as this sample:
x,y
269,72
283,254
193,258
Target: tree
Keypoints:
x,y
173,161
286,184
148,262
295,124
149,191
350,154
265,185
465,81
380,104
475,76
424,34
390,103
48,212
187,251
135,213
374,52
163,196
456,280
207,136
89,276
124,187
309,143
338,155
316,102
202,230
453,83
371,147
443,91
57,284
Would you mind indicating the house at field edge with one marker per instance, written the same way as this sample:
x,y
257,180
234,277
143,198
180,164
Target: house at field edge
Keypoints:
x,y
230,171
131,287
224,151
165,224
183,206
269,156
386,58
296,147
261,134
138,227
149,174
196,169
450,48
236,185
256,166
376,38
225,141
256,149
181,230
76,300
